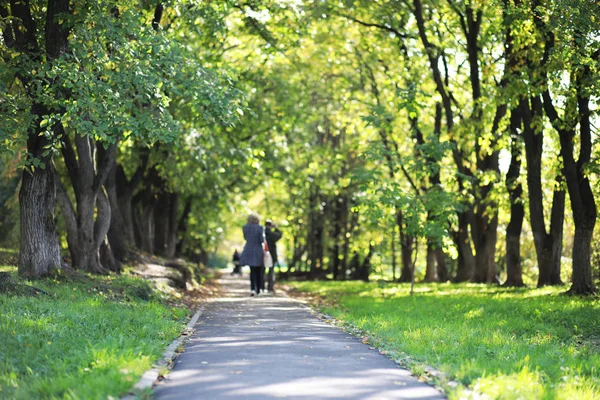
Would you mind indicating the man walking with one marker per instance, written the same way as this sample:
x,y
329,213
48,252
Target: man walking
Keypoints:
x,y
272,234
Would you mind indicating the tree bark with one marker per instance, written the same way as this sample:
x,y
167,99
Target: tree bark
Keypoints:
x,y
406,250
39,252
161,214
466,259
125,190
173,225
88,225
430,268
548,246
514,273
182,226
442,268
394,260
116,233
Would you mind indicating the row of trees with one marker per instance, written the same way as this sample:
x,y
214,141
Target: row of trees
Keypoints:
x,y
116,112
381,127
437,124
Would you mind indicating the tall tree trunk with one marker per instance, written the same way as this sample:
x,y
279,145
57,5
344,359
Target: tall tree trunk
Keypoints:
x,y
125,189
161,214
117,237
466,260
340,215
393,245
145,202
430,267
442,268
173,226
39,251
101,228
315,235
583,204
406,250
548,246
514,271
182,226
88,225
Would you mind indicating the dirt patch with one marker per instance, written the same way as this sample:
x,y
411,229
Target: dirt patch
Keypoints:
x,y
209,289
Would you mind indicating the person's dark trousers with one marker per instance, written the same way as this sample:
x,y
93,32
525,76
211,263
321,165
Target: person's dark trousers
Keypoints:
x,y
256,278
271,279
237,269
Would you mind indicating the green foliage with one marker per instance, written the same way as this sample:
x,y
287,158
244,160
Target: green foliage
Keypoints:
x,y
120,79
93,339
501,343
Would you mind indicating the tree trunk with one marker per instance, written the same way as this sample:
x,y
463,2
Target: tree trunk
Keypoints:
x,y
162,212
124,192
442,269
514,276
466,260
88,225
117,233
393,243
486,271
39,252
430,269
548,246
182,226
582,269
173,226
406,251
315,235
340,217
146,224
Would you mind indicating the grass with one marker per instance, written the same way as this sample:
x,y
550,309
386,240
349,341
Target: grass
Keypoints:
x,y
496,342
92,339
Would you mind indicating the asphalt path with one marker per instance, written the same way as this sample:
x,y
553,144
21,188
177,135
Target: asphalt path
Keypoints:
x,y
270,347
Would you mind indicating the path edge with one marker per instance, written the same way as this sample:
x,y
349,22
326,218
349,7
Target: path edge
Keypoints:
x,y
430,375
150,377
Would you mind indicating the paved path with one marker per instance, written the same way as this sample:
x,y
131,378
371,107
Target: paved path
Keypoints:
x,y
274,347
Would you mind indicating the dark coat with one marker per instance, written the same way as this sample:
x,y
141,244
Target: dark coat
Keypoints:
x,y
273,235
253,249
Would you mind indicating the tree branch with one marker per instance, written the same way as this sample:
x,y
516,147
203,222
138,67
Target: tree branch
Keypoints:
x,y
106,158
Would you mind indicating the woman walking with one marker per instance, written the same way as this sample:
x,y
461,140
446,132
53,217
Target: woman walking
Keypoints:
x,y
253,255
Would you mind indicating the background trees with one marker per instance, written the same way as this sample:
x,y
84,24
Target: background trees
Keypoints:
x,y
435,136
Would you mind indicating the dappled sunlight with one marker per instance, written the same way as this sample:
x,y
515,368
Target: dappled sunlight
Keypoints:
x,y
270,347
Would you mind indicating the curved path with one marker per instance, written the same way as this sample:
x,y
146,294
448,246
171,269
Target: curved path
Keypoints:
x,y
274,347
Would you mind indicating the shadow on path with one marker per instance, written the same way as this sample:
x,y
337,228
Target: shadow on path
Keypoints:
x,y
273,347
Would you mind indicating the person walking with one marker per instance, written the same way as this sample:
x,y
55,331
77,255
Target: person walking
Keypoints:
x,y
236,263
272,234
253,253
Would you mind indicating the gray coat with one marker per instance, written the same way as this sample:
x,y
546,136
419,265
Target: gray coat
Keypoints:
x,y
253,249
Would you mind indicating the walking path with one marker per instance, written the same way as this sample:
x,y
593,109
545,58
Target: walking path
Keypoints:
x,y
273,347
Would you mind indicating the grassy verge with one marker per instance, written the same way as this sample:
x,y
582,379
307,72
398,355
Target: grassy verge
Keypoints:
x,y
502,343
91,339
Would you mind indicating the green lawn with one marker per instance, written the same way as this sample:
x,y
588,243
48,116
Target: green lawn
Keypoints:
x,y
93,338
503,343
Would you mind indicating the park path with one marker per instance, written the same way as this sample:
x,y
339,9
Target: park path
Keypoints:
x,y
270,347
